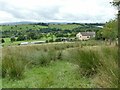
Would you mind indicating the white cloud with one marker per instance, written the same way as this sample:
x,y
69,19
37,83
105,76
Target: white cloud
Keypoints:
x,y
56,10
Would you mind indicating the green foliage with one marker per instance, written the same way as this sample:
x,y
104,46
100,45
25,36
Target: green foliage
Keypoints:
x,y
64,26
2,40
22,27
88,60
58,40
59,74
109,31
51,40
12,67
21,38
90,65
12,39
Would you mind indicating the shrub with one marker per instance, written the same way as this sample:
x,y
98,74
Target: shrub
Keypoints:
x,y
2,40
51,40
58,40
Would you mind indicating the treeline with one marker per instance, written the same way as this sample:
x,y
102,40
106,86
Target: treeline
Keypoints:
x,y
45,32
109,31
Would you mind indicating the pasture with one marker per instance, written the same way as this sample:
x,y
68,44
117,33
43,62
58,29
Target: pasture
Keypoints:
x,y
22,27
64,26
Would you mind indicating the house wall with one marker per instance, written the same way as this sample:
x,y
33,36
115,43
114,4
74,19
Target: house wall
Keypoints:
x,y
80,37
84,37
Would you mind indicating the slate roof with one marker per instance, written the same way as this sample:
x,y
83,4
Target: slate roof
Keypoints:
x,y
87,33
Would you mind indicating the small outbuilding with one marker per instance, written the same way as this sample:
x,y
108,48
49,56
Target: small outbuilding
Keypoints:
x,y
37,42
24,43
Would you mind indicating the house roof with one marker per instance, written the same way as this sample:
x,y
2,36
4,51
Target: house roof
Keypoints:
x,y
87,33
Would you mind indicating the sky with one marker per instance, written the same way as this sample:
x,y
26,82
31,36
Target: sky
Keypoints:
x,y
81,11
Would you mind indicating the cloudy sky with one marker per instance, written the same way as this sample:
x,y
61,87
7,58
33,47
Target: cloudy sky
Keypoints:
x,y
56,10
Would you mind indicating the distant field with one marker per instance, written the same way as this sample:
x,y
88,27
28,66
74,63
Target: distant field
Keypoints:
x,y
8,41
64,26
37,27
22,27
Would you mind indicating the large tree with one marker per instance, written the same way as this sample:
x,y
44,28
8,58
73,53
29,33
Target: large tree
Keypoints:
x,y
110,31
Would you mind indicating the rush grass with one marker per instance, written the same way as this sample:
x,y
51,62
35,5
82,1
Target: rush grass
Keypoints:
x,y
97,63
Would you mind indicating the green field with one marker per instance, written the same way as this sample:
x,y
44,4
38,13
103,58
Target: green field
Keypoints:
x,y
22,27
9,43
38,27
64,26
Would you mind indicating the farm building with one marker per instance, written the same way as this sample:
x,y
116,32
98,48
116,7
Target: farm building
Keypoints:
x,y
24,43
85,35
37,42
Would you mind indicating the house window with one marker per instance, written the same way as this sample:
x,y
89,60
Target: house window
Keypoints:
x,y
88,36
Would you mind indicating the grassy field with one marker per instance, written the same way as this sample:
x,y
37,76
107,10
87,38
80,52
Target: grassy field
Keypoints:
x,y
9,43
64,26
38,27
63,65
22,27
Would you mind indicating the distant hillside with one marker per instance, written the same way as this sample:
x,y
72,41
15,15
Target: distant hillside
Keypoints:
x,y
38,26
64,26
22,27
17,23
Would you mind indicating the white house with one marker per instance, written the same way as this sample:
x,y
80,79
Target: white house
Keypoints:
x,y
85,35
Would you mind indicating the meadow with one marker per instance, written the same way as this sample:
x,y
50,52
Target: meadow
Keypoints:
x,y
86,64
64,26
23,27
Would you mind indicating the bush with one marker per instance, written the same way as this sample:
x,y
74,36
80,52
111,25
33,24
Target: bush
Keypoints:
x,y
12,39
58,40
2,40
51,40
21,38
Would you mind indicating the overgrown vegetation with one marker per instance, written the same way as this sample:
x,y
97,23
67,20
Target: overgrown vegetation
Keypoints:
x,y
95,64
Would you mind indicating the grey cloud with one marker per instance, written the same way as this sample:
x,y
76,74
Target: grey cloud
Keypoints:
x,y
38,13
48,13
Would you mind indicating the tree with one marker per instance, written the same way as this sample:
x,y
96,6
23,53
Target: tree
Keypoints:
x,y
21,38
12,39
98,35
32,35
58,40
2,40
51,40
109,32
116,3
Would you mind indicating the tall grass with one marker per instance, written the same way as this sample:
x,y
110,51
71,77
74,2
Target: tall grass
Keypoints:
x,y
12,66
87,59
98,63
108,73
16,59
